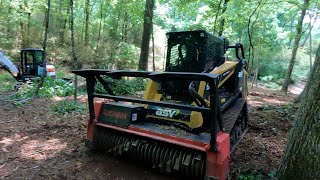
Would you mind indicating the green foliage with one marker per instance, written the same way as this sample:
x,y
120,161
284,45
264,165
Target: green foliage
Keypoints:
x,y
7,82
127,58
67,106
254,175
272,69
50,88
123,86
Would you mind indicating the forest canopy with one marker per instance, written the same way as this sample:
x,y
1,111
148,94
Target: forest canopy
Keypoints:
x,y
108,33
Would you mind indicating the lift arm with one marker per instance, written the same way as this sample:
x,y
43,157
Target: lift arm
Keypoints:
x,y
7,65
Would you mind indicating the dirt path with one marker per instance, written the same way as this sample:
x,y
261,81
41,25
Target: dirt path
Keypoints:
x,y
35,143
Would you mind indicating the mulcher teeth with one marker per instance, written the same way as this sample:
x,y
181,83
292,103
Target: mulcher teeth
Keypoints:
x,y
165,157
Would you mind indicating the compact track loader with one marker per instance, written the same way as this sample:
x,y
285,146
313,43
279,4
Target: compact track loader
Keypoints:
x,y
190,118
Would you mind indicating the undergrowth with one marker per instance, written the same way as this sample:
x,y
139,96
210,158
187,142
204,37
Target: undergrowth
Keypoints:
x,y
67,106
123,86
7,82
254,175
51,87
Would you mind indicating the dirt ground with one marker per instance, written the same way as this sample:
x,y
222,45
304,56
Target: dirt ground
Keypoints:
x,y
35,143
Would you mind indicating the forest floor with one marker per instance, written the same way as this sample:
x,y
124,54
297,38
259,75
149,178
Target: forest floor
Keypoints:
x,y
36,143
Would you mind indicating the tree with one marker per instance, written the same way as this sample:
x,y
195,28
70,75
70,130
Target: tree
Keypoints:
x,y
44,46
22,28
301,158
295,47
224,9
86,32
76,64
147,27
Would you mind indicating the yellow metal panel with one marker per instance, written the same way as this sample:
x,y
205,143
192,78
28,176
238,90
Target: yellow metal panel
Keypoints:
x,y
202,87
227,77
151,92
224,67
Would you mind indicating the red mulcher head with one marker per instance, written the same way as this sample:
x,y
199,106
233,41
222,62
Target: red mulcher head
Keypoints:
x,y
117,129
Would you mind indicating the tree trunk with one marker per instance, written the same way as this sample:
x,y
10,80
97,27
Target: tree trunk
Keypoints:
x,y
44,68
295,48
153,53
8,24
311,24
76,64
147,27
100,23
216,17
22,30
301,159
97,49
86,33
60,23
250,28
125,27
28,30
224,9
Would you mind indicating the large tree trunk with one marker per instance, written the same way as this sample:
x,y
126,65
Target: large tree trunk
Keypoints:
x,y
301,159
44,46
86,33
147,27
295,47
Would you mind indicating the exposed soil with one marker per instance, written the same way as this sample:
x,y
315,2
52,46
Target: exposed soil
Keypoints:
x,y
35,143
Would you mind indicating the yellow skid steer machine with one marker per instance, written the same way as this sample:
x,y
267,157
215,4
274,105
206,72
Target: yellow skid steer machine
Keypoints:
x,y
190,118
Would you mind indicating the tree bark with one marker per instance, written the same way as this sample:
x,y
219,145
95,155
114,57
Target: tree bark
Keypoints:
x,y
295,48
44,46
301,159
86,33
147,27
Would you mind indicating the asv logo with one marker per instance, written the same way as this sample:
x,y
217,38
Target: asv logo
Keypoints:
x,y
165,112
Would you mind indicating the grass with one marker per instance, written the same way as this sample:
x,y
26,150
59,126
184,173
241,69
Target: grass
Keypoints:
x,y
7,82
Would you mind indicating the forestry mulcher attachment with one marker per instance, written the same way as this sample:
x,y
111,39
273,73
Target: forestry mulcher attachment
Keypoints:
x,y
190,118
